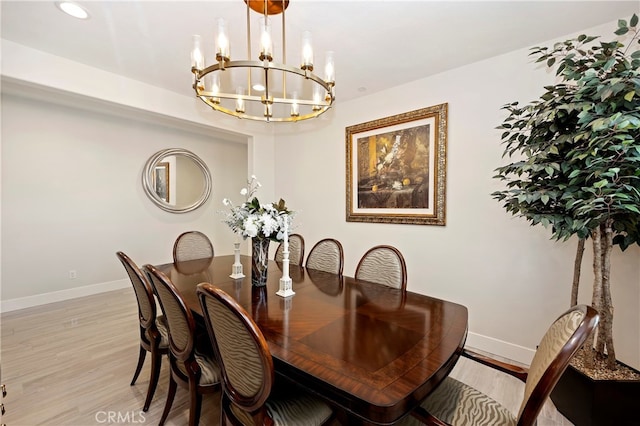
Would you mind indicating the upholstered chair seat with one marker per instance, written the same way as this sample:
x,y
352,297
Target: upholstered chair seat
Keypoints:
x,y
455,403
289,409
163,330
209,370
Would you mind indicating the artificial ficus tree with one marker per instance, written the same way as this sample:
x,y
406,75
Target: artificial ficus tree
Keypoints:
x,y
576,157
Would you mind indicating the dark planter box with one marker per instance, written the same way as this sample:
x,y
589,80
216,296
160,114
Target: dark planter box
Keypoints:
x,y
588,402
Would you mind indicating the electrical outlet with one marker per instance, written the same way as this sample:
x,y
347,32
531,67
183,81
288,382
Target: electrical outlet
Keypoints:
x,y
72,275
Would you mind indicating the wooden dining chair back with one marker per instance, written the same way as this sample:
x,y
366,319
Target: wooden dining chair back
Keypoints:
x,y
296,250
249,395
154,336
192,245
190,368
385,265
456,403
326,255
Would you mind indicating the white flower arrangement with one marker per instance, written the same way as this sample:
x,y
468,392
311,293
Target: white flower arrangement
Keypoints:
x,y
254,220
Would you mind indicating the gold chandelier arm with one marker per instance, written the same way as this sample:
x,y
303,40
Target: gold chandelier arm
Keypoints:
x,y
268,65
290,119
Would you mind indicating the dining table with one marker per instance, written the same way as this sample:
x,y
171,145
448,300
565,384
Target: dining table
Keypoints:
x,y
373,351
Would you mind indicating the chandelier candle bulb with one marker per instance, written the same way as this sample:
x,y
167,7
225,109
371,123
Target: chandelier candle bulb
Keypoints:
x,y
197,58
307,52
316,98
295,108
266,45
222,42
215,88
329,69
240,100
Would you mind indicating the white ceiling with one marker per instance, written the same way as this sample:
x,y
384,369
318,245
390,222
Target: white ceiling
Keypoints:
x,y
377,44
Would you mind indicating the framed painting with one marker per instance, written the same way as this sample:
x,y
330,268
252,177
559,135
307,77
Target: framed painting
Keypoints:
x,y
396,168
161,180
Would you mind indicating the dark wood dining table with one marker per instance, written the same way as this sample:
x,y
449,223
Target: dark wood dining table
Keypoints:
x,y
374,351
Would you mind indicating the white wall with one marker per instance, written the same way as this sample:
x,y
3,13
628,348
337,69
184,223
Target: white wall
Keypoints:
x,y
512,277
150,119
72,195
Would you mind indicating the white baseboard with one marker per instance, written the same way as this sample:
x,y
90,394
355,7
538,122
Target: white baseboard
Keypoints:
x,y
58,296
501,348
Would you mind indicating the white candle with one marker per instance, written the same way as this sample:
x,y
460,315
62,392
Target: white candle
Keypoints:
x,y
286,233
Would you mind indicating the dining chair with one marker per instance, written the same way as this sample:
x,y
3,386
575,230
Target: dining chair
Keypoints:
x,y
154,336
191,366
326,255
296,250
251,393
192,245
384,265
455,403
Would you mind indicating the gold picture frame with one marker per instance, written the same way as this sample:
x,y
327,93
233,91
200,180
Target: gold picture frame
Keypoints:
x,y
396,168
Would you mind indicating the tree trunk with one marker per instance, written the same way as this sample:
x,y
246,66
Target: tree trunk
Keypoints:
x,y
605,333
596,299
577,265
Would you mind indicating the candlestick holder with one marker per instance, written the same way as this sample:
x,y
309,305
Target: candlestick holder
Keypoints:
x,y
236,268
285,282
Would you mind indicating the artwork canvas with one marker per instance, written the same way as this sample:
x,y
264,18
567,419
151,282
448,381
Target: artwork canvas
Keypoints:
x,y
396,168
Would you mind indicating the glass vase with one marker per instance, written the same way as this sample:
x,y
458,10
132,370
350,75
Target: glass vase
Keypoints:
x,y
259,261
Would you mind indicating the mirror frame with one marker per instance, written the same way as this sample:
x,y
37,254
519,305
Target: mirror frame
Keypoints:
x,y
147,180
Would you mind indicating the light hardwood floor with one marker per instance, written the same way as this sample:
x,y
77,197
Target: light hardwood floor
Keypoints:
x,y
70,363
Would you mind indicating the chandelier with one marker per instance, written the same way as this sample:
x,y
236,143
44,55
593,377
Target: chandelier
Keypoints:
x,y
266,89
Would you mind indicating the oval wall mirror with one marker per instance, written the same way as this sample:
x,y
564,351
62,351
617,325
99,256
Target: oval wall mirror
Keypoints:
x,y
176,180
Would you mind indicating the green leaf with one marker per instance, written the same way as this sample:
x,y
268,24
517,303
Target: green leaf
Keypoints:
x,y
609,64
551,61
598,124
601,184
634,20
621,31
629,95
545,199
632,208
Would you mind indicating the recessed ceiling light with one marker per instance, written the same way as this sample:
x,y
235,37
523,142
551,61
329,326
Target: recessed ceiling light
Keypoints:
x,y
73,9
258,87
